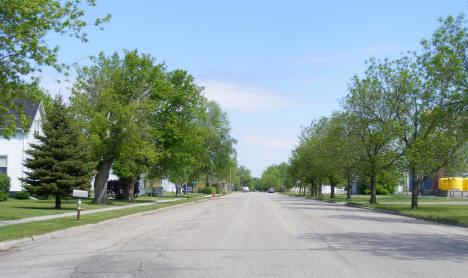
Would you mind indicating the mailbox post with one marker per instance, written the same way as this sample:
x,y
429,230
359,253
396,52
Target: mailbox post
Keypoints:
x,y
79,194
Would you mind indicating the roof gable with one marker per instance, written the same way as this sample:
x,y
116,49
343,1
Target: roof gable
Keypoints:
x,y
29,108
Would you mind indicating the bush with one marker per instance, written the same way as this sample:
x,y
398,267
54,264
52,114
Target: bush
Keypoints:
x,y
22,195
4,187
208,190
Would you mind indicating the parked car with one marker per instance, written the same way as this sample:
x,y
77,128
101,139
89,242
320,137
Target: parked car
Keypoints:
x,y
271,190
245,189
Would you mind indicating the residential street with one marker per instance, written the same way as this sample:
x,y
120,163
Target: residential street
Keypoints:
x,y
248,235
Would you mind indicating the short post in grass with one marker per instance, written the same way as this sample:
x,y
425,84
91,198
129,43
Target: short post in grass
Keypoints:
x,y
79,210
79,194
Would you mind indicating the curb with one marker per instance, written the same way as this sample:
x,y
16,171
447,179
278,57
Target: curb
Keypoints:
x,y
16,243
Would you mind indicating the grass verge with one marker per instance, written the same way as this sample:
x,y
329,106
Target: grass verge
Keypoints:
x,y
18,231
381,198
12,209
438,213
434,212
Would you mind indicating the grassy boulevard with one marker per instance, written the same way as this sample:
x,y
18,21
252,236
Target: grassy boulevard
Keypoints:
x,y
23,208
16,209
430,208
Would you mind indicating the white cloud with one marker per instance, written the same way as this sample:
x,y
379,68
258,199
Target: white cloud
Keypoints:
x,y
244,99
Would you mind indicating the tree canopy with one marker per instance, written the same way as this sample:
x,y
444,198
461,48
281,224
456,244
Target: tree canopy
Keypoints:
x,y
24,49
406,115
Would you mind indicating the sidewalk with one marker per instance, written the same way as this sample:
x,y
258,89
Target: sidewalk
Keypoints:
x,y
47,217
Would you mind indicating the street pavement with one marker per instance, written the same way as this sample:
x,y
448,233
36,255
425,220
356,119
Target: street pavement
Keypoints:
x,y
247,235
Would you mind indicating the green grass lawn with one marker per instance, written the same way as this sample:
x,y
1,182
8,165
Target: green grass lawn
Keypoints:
x,y
383,198
446,213
41,227
17,209
427,209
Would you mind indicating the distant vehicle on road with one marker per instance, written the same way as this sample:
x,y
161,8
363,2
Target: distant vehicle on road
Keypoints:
x,y
245,189
271,190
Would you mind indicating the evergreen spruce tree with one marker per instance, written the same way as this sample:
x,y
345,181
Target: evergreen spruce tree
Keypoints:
x,y
60,162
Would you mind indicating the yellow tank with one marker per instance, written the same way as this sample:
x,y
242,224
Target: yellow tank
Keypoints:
x,y
455,184
443,184
465,184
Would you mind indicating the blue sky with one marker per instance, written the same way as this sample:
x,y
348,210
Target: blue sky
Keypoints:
x,y
274,66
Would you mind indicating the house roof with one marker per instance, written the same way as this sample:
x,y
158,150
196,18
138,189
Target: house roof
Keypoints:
x,y
29,108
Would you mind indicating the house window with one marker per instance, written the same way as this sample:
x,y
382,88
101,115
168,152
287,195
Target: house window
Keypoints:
x,y
3,165
36,127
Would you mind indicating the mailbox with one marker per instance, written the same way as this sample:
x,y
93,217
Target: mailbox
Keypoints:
x,y
80,193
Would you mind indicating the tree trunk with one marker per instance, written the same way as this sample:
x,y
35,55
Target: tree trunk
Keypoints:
x,y
58,201
350,188
373,198
320,190
415,193
332,190
100,181
129,189
177,190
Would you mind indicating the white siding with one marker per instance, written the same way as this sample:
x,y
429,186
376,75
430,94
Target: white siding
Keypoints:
x,y
14,149
168,185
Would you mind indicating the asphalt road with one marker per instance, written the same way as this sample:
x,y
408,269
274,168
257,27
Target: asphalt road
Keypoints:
x,y
248,235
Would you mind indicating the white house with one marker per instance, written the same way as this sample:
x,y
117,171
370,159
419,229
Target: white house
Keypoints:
x,y
12,151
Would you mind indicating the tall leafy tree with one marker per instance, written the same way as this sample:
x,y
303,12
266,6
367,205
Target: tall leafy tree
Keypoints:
x,y
60,162
373,122
112,99
24,49
178,137
245,178
428,98
329,155
274,176
218,142
346,149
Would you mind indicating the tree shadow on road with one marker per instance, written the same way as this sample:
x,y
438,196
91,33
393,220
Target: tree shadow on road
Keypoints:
x,y
401,246
381,218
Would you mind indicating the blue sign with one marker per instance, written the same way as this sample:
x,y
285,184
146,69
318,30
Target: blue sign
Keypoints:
x,y
188,189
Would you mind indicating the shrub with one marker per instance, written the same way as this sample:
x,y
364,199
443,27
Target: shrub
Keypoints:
x,y
4,187
22,195
208,190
